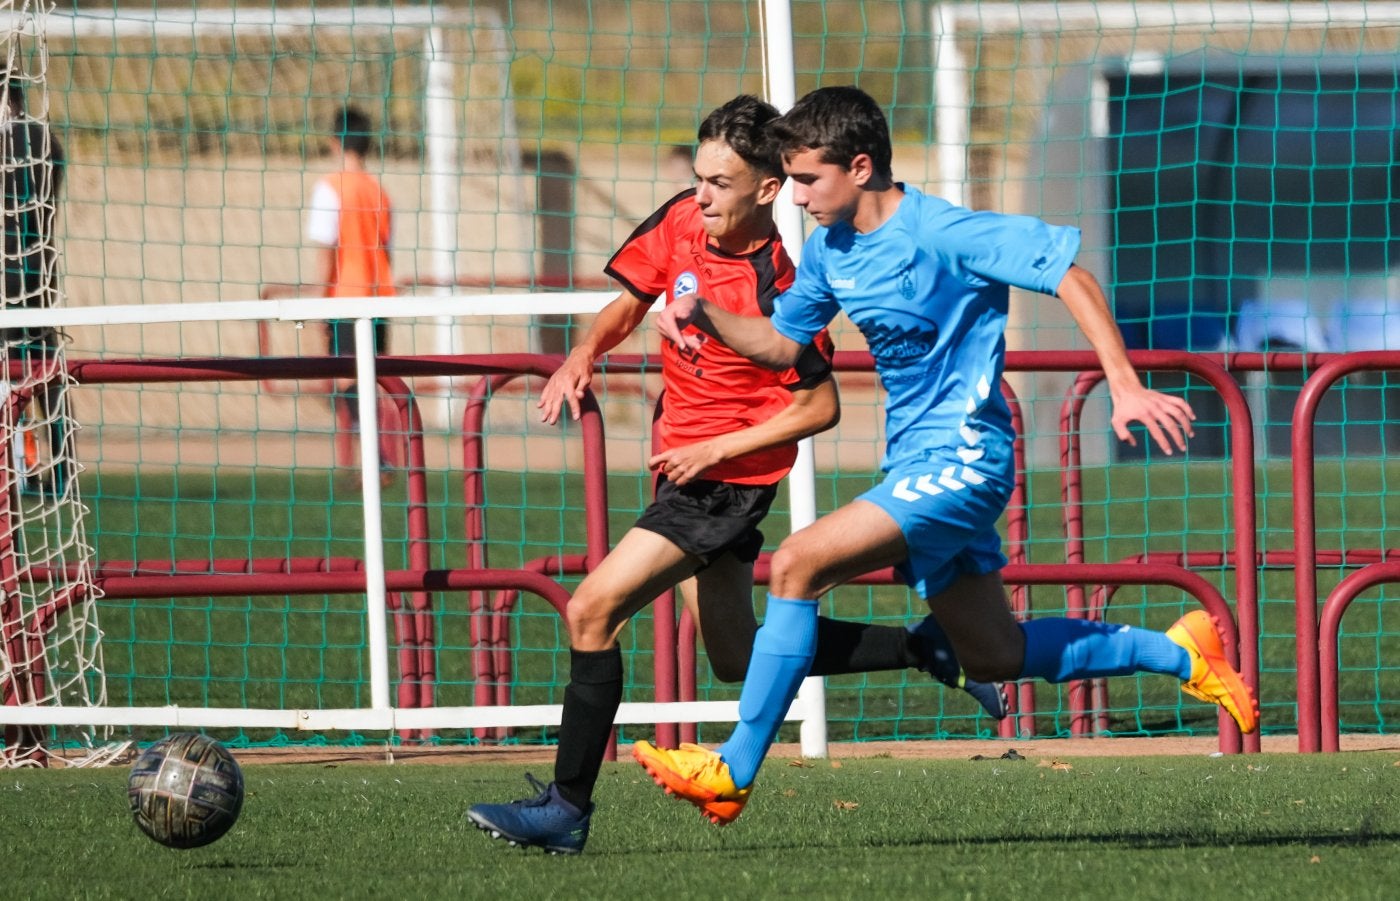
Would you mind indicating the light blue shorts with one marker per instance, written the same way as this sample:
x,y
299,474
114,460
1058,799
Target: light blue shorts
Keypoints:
x,y
948,512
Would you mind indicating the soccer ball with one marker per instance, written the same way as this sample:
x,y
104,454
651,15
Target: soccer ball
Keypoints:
x,y
185,790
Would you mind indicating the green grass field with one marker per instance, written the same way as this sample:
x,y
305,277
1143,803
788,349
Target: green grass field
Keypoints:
x,y
1268,827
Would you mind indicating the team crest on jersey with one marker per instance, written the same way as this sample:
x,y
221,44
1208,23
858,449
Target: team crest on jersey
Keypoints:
x,y
906,283
686,283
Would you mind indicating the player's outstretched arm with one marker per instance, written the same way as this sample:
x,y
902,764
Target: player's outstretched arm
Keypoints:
x,y
570,381
812,410
750,336
1167,418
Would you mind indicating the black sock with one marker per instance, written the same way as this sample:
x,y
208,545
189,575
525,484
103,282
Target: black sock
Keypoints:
x,y
591,700
847,647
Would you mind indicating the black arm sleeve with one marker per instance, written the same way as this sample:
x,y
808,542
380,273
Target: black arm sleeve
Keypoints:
x,y
813,367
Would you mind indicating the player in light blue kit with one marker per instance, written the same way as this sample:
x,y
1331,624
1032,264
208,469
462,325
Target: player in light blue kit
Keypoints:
x,y
927,283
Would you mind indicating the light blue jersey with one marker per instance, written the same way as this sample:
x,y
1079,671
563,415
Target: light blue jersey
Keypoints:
x,y
928,289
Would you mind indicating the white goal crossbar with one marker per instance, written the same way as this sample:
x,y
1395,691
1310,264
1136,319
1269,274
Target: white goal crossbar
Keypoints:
x,y
809,709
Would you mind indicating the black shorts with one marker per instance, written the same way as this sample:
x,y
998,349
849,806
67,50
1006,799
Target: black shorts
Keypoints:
x,y
708,519
341,333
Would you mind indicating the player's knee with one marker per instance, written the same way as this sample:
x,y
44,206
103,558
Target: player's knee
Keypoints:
x,y
792,570
589,621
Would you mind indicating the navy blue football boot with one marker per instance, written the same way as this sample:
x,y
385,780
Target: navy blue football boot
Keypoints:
x,y
545,821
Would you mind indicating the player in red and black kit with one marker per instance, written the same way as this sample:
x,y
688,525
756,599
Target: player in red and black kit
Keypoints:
x,y
727,432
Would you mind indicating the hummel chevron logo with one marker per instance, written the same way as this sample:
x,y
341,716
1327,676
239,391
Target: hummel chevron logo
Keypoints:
x,y
927,485
901,490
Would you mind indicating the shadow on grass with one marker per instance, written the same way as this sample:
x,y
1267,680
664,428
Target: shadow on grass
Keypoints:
x,y
1127,840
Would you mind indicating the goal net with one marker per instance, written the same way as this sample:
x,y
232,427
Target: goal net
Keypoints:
x,y
50,643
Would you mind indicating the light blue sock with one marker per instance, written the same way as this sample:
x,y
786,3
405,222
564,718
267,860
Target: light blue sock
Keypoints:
x,y
1058,650
782,654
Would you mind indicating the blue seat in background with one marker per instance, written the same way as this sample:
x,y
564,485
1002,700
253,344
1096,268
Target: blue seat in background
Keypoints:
x,y
1366,323
1281,324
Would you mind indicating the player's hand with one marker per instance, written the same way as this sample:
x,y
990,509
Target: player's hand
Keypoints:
x,y
684,464
567,386
1164,415
674,318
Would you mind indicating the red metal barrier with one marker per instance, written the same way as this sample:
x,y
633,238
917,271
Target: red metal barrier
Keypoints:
x,y
666,634
1378,566
1086,716
1231,741
492,665
1311,717
1081,695
25,680
413,611
483,638
491,654
1021,699
413,627
1328,653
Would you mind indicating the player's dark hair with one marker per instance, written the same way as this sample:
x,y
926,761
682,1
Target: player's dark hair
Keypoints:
x,y
742,123
841,122
352,128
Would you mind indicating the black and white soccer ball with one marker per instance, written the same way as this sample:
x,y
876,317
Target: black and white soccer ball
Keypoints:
x,y
186,790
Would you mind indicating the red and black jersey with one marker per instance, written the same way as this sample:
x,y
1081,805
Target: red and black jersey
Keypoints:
x,y
714,390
